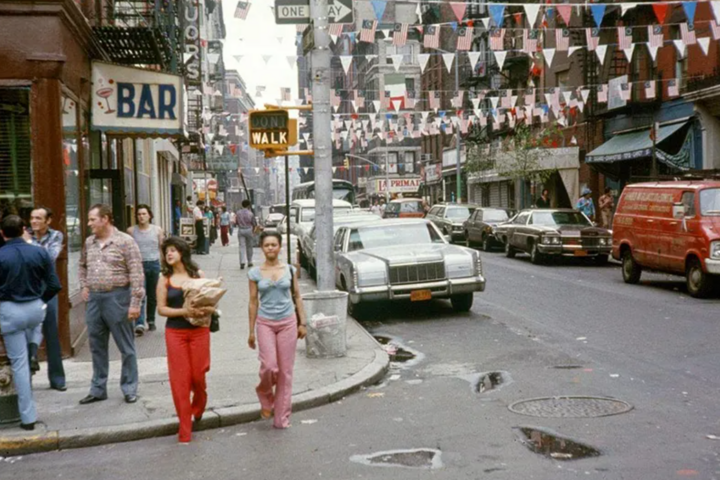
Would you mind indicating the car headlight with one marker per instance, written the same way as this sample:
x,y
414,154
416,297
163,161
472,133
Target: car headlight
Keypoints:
x,y
715,250
604,241
550,240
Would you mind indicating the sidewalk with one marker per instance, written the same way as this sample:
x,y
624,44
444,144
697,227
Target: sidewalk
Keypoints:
x,y
63,423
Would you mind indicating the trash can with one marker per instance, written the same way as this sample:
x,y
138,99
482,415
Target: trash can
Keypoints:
x,y
326,316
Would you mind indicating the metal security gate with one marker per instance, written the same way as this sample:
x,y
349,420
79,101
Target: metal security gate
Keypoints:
x,y
15,148
495,195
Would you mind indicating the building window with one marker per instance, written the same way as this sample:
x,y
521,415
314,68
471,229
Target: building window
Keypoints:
x,y
392,159
409,162
15,151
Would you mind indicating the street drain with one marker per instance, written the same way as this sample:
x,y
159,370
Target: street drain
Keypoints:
x,y
394,349
425,458
489,381
570,407
545,442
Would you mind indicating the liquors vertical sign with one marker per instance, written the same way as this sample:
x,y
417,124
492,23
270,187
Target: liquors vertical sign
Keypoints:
x,y
191,40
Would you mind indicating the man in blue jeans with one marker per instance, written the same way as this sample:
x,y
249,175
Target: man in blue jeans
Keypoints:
x,y
52,241
27,282
149,238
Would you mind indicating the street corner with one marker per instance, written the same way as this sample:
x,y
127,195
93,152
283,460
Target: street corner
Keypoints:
x,y
23,443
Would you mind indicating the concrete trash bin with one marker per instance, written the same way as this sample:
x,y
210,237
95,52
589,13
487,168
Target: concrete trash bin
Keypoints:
x,y
326,316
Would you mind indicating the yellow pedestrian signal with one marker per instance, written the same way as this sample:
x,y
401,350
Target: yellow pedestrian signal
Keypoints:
x,y
269,129
347,163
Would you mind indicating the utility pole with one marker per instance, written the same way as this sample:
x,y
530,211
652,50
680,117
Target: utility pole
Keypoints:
x,y
458,178
287,208
320,58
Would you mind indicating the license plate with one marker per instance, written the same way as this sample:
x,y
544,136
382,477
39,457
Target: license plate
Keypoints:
x,y
420,295
580,253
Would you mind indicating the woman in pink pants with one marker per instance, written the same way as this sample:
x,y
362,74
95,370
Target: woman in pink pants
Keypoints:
x,y
273,307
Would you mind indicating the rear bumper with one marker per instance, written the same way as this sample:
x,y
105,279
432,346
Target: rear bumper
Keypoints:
x,y
438,289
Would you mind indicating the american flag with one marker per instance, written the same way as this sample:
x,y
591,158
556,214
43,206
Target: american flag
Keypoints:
x,y
410,99
650,89
715,29
465,38
434,99
655,36
530,40
367,32
687,33
602,93
562,39
432,37
336,29
529,96
285,94
624,37
625,91
593,38
497,39
400,32
242,10
673,90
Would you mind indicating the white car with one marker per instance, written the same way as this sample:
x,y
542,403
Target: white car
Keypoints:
x,y
302,219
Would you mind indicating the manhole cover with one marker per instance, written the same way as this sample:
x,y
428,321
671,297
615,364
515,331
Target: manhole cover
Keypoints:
x,y
570,407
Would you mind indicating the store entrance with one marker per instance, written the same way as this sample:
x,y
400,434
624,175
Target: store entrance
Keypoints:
x,y
106,186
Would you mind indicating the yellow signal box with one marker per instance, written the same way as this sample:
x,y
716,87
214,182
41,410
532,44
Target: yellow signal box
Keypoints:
x,y
269,130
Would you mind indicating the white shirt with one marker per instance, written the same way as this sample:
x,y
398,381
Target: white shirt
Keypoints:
x,y
197,213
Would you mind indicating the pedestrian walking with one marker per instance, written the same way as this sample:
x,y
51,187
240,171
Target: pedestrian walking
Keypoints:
x,y
52,241
27,282
177,215
148,237
585,204
544,200
275,305
113,285
224,226
606,203
210,240
246,223
188,346
198,216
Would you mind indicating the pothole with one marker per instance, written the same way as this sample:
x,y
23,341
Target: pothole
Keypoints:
x,y
398,352
570,407
424,458
489,381
552,445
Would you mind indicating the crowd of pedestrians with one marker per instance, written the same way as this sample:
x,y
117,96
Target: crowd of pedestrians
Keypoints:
x,y
125,279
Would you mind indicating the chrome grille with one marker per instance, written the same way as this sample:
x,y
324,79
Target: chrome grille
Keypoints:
x,y
416,273
587,242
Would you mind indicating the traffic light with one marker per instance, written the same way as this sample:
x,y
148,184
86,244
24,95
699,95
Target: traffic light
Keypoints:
x,y
347,163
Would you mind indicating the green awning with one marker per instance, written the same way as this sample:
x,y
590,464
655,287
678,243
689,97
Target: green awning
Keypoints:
x,y
631,146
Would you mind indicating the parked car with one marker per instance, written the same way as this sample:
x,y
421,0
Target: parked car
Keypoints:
x,y
450,219
404,259
302,217
480,228
555,232
405,208
672,227
275,215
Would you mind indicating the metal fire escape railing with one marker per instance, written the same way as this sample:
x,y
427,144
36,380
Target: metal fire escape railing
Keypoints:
x,y
141,32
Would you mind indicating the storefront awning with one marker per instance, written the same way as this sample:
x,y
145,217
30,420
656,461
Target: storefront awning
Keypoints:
x,y
631,146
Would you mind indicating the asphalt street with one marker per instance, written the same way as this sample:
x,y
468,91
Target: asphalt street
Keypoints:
x,y
548,330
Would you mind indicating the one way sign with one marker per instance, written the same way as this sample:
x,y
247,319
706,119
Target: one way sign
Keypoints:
x,y
297,12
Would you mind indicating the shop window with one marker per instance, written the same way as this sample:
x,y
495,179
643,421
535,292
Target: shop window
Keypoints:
x,y
15,152
143,171
409,162
72,149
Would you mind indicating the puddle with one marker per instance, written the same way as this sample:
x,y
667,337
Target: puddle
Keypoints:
x,y
394,349
425,458
552,445
489,381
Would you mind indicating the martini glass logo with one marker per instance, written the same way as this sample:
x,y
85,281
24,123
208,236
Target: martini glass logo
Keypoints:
x,y
106,91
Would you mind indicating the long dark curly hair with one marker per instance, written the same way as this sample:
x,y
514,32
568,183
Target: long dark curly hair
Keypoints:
x,y
185,257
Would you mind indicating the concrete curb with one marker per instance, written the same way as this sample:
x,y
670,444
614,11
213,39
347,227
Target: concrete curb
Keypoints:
x,y
23,444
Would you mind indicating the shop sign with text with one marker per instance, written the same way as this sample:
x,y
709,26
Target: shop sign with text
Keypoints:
x,y
398,185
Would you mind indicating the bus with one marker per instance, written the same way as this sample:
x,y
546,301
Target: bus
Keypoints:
x,y
342,190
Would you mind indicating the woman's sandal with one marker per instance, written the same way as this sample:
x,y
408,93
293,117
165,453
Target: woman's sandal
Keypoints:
x,y
266,414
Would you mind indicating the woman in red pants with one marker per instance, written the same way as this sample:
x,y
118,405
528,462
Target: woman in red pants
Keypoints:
x,y
273,310
188,346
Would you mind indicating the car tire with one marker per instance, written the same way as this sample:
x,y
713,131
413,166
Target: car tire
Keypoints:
x,y
509,249
462,302
699,283
303,258
486,246
535,256
357,310
631,271
601,260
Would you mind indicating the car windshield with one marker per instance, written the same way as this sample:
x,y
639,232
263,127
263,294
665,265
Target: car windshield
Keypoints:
x,y
710,202
382,236
459,213
308,213
494,216
278,209
340,193
410,207
555,219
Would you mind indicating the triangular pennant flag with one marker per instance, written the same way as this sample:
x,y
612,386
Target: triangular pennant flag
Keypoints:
x,y
549,54
565,11
418,12
653,51
704,44
486,22
475,103
423,60
660,10
379,8
397,104
601,50
386,33
291,59
334,38
716,10
238,58
531,11
690,8
376,104
494,102
585,93
497,12
500,57
334,169
397,61
267,58
448,59
473,57
629,52
598,12
346,61
680,45
624,7
572,50
459,10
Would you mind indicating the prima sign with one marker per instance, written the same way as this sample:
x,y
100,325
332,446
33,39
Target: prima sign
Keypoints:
x,y
134,101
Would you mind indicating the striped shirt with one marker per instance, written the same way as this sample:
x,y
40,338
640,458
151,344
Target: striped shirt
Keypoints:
x,y
245,218
116,263
52,241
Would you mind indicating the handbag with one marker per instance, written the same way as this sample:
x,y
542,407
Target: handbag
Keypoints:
x,y
292,294
215,321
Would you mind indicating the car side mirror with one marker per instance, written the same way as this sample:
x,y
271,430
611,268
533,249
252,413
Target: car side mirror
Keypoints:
x,y
678,210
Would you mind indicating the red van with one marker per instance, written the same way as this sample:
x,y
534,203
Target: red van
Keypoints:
x,y
671,227
405,208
